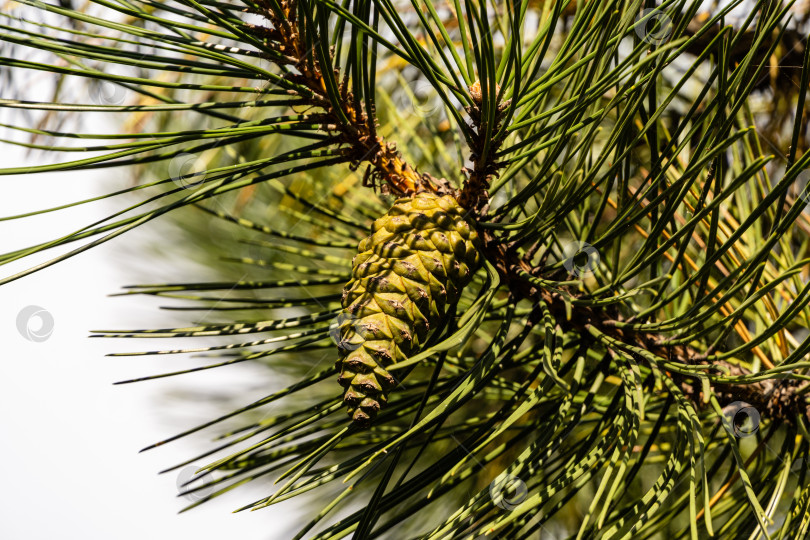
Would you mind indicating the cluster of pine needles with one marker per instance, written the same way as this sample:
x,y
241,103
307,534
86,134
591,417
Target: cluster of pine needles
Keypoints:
x,y
631,359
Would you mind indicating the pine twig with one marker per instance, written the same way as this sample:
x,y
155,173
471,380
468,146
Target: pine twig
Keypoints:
x,y
475,195
359,136
776,399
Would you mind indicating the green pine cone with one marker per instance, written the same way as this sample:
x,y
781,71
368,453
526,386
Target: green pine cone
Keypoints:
x,y
418,259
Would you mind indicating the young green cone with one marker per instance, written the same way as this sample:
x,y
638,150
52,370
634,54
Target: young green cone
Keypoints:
x,y
418,259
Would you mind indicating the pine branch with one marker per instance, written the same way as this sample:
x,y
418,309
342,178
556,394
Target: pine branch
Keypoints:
x,y
296,43
777,399
356,130
591,147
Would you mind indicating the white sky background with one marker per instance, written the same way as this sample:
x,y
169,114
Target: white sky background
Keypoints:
x,y
69,440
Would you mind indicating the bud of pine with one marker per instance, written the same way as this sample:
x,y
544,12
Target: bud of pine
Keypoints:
x,y
418,259
475,92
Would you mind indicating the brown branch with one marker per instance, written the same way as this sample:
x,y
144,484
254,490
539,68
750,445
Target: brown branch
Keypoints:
x,y
776,399
359,137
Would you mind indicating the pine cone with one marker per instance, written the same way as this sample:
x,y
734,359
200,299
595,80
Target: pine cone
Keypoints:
x,y
418,259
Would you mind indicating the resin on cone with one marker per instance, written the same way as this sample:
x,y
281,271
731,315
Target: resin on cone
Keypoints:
x,y
418,259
